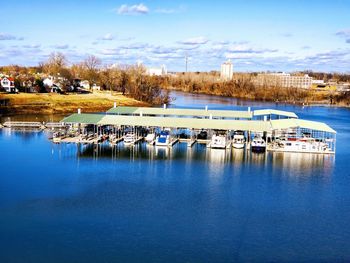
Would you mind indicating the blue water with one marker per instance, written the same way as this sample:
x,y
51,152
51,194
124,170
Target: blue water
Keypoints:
x,y
64,203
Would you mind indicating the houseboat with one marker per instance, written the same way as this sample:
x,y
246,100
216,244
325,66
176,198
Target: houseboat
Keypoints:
x,y
309,145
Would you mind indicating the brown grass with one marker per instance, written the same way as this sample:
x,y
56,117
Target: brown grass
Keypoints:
x,y
52,103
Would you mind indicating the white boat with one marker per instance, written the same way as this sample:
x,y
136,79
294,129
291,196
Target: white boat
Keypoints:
x,y
150,138
56,137
238,140
258,144
163,139
129,138
308,145
218,142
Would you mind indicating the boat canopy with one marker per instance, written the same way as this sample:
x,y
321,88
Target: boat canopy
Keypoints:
x,y
266,112
298,123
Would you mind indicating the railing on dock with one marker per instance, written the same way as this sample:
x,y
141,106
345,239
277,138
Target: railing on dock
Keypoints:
x,y
22,124
35,125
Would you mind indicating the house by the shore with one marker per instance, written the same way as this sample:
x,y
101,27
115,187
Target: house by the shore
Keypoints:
x,y
8,84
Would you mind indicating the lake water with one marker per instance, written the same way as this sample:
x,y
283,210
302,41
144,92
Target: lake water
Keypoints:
x,y
69,203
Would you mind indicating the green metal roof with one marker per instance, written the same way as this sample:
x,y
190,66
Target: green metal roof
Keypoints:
x,y
195,123
294,123
190,123
86,118
181,112
288,114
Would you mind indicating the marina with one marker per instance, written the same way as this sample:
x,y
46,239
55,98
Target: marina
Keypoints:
x,y
224,189
260,130
257,130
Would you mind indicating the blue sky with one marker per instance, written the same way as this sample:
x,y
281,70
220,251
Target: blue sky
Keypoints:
x,y
255,35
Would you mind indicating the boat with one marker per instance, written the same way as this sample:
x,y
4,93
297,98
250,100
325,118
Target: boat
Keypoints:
x,y
163,139
258,144
238,140
203,135
56,137
129,138
150,137
309,145
218,142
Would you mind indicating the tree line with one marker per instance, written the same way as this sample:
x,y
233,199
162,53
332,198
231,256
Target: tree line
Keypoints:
x,y
129,80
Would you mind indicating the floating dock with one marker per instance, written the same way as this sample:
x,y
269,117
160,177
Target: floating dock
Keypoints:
x,y
272,125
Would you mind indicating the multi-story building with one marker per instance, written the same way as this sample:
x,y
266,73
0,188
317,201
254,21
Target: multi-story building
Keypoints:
x,y
226,72
285,80
162,71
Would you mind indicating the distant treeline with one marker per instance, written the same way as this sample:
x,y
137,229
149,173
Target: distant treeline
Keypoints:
x,y
243,86
133,82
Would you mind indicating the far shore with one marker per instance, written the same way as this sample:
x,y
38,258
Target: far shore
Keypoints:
x,y
53,103
308,103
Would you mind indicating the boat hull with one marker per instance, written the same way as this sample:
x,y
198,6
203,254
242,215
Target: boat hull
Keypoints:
x,y
258,149
238,145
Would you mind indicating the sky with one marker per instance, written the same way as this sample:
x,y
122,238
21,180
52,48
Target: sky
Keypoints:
x,y
255,35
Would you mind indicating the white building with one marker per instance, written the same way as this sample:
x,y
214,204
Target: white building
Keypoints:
x,y
162,71
285,80
226,72
8,84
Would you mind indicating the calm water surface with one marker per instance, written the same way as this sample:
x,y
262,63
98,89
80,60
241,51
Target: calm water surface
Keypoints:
x,y
64,203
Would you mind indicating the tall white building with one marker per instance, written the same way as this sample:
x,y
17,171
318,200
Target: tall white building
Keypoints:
x,y
157,71
226,72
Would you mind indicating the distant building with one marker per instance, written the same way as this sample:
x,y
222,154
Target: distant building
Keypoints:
x,y
85,84
284,80
226,72
8,84
48,82
162,71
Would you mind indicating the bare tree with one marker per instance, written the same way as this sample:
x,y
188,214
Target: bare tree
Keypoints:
x,y
55,64
91,67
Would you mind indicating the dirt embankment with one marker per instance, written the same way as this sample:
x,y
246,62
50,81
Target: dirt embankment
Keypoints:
x,y
52,103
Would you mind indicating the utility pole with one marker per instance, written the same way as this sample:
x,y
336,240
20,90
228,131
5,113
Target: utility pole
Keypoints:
x,y
186,61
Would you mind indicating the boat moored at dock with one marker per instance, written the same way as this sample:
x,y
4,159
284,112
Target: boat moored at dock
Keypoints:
x,y
238,141
277,130
163,139
258,144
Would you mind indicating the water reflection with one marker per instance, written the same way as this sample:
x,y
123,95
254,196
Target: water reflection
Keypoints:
x,y
298,163
304,164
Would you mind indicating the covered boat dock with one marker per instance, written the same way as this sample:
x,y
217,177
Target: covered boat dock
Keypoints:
x,y
141,120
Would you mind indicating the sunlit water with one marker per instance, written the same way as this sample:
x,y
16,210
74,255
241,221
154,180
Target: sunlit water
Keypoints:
x,y
69,203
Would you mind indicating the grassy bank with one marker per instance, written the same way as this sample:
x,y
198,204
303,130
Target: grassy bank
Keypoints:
x,y
52,103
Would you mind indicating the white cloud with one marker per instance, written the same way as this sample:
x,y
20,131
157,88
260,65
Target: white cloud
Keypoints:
x,y
195,41
64,46
133,9
5,36
345,33
32,46
107,36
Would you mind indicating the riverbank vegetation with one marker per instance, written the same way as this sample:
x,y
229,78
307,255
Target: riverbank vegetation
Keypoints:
x,y
134,83
243,86
131,81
